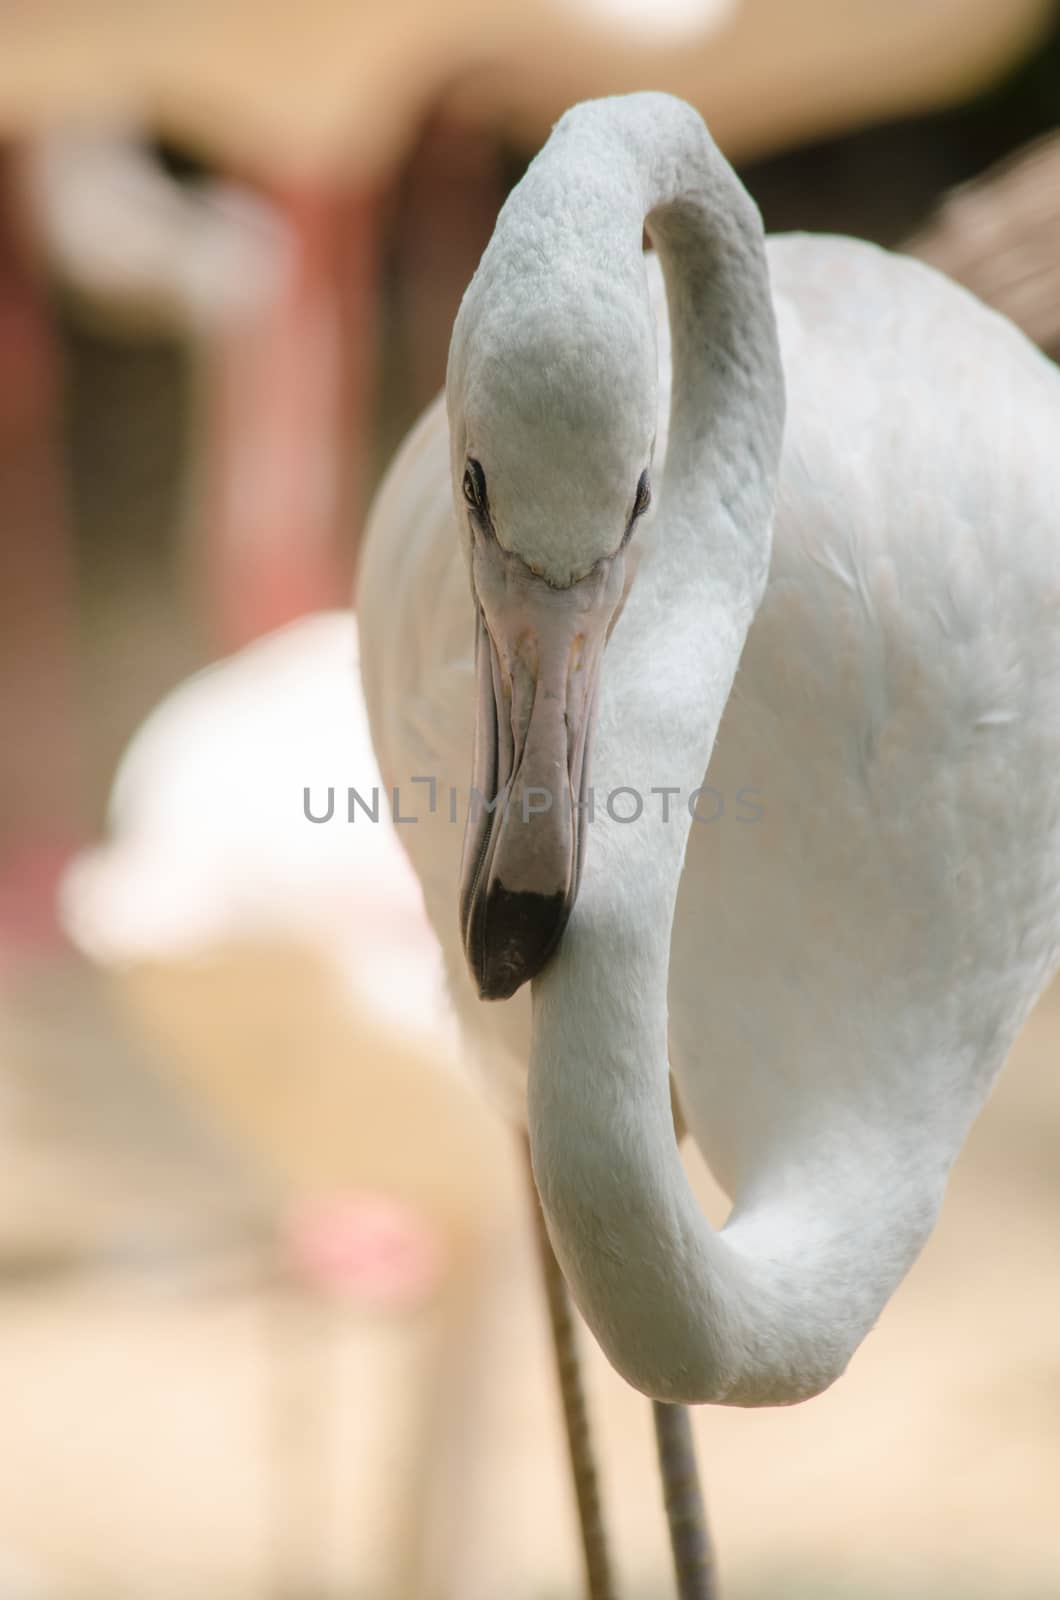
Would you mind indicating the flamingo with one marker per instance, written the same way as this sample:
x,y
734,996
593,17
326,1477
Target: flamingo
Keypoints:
x,y
720,590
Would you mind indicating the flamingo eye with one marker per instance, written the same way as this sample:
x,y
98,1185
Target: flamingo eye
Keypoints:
x,y
642,500
475,485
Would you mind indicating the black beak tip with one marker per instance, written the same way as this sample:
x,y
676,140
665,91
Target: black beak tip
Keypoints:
x,y
511,937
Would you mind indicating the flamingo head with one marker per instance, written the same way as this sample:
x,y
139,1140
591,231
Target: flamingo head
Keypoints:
x,y
552,395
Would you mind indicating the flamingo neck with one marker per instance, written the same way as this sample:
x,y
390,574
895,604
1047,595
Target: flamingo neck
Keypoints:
x,y
763,1312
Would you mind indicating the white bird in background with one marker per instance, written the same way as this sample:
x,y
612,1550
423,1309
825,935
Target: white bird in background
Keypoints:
x,y
845,622
208,841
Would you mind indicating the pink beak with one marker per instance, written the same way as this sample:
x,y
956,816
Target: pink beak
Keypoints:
x,y
538,654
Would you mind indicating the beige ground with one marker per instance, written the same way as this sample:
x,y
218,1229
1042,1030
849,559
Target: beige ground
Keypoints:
x,y
197,1430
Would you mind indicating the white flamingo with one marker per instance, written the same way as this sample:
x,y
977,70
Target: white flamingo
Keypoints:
x,y
834,969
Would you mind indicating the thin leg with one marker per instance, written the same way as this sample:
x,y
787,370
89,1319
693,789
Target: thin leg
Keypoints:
x,y
599,1580
689,1536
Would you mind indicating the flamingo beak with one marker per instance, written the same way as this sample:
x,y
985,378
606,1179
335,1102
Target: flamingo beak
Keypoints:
x,y
538,653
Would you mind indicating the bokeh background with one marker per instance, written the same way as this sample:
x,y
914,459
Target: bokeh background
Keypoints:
x,y
269,1320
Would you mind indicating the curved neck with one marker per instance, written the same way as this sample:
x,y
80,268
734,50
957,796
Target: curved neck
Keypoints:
x,y
758,1314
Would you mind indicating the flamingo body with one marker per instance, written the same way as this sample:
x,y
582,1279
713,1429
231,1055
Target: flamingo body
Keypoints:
x,y
873,906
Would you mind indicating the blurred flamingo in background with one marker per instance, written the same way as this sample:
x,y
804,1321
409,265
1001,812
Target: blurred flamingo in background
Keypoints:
x,y
208,838
383,1162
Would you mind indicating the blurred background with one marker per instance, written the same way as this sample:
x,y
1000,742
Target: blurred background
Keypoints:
x,y
269,1323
